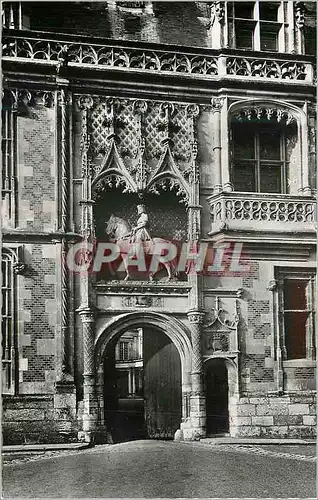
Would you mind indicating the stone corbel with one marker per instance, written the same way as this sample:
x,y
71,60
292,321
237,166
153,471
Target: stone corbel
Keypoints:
x,y
20,268
272,285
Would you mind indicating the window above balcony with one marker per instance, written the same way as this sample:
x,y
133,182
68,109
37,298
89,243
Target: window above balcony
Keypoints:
x,y
257,25
264,151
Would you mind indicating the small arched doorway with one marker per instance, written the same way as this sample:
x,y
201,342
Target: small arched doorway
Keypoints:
x,y
142,385
217,396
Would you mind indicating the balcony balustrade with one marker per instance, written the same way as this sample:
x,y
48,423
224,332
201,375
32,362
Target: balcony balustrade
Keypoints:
x,y
262,212
49,49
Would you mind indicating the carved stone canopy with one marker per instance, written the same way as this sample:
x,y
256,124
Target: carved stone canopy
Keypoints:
x,y
264,113
143,146
219,315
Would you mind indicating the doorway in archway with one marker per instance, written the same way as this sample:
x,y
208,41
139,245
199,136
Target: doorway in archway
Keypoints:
x,y
142,371
217,395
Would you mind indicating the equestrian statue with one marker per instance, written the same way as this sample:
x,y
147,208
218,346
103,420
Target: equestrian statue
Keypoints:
x,y
119,231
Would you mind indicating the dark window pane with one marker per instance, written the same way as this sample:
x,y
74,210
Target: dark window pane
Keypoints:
x,y
270,179
295,294
244,10
132,24
269,144
243,142
268,11
244,178
244,36
310,40
295,334
269,38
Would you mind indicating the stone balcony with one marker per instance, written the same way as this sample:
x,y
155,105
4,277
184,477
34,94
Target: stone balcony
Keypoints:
x,y
49,49
262,212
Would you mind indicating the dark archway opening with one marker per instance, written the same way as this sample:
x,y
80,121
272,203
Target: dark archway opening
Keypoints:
x,y
217,394
142,386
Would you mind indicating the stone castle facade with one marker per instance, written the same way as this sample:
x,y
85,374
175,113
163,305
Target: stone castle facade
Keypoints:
x,y
205,112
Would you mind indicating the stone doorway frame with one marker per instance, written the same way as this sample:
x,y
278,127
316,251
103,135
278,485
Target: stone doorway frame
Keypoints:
x,y
176,331
233,386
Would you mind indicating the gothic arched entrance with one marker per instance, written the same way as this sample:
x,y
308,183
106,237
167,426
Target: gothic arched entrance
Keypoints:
x,y
217,396
143,376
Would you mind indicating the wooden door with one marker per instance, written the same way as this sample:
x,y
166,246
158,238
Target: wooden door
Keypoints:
x,y
162,385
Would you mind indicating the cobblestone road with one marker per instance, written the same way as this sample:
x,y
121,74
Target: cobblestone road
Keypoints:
x,y
164,469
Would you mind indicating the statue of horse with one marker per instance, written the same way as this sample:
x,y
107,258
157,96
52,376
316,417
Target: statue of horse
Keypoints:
x,y
119,232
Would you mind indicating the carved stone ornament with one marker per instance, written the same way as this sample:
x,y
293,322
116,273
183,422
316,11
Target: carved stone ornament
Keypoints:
x,y
216,104
220,315
218,11
196,317
142,301
299,14
272,285
21,100
19,268
217,341
268,113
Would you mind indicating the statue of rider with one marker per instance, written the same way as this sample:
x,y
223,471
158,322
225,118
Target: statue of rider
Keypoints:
x,y
140,231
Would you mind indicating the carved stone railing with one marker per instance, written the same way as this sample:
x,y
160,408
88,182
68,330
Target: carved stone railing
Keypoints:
x,y
262,212
268,68
51,49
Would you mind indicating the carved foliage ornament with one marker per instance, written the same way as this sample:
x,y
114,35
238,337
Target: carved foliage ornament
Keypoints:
x,y
22,99
265,113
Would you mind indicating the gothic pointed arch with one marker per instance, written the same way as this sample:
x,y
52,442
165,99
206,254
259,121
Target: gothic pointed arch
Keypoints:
x,y
113,170
167,173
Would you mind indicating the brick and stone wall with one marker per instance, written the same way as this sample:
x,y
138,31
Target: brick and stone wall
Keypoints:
x,y
37,172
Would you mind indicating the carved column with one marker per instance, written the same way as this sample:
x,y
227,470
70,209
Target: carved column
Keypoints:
x,y
86,310
90,407
64,196
217,103
278,307
197,399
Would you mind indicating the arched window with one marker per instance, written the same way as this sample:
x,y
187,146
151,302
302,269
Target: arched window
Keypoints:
x,y
263,151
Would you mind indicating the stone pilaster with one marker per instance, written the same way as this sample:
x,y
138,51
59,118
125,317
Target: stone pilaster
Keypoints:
x,y
197,399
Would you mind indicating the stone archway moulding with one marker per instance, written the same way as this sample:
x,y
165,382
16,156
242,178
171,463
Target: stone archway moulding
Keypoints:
x,y
172,327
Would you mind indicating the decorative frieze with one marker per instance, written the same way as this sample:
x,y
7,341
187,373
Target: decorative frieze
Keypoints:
x,y
142,301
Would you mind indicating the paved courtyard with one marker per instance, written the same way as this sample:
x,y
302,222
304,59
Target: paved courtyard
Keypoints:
x,y
164,469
